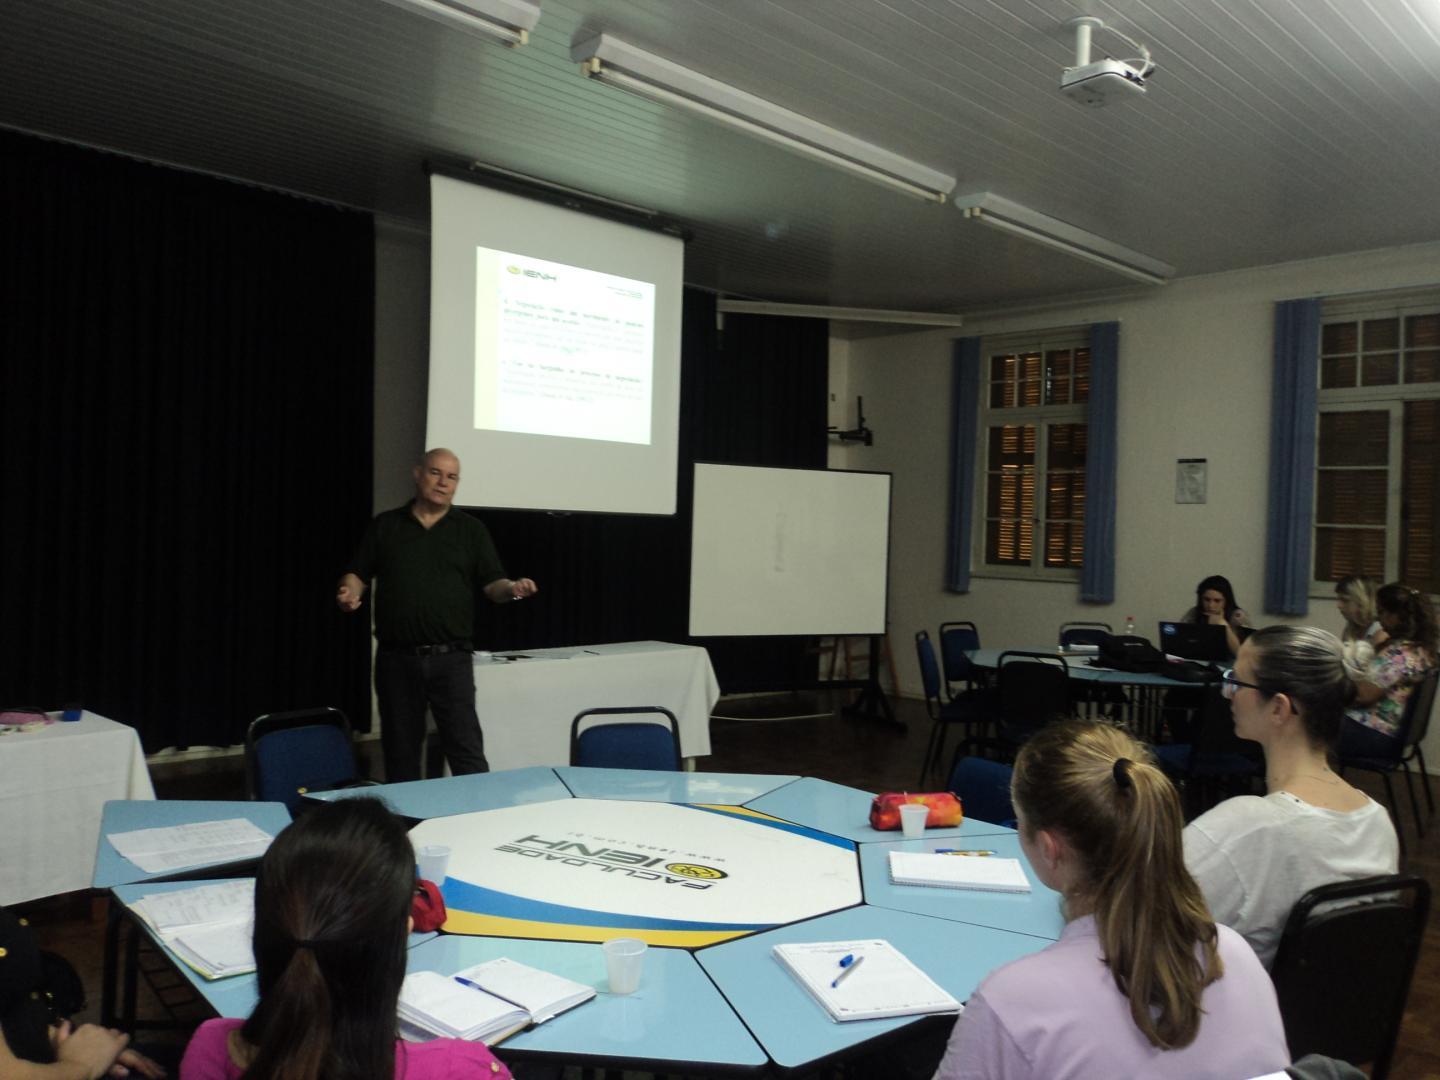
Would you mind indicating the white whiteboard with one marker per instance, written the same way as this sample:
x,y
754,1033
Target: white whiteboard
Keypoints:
x,y
788,551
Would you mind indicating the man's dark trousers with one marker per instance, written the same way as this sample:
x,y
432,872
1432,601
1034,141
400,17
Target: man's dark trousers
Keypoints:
x,y
404,685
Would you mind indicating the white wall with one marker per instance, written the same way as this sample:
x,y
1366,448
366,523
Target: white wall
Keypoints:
x,y
1195,361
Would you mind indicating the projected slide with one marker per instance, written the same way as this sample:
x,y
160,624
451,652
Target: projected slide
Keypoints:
x,y
560,350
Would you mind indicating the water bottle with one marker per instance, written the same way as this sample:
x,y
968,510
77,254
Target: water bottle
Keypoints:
x,y
1130,624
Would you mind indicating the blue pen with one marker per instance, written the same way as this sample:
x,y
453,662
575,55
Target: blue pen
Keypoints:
x,y
849,964
467,982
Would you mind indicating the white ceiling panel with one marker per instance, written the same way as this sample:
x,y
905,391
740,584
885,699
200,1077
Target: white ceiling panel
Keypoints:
x,y
1272,130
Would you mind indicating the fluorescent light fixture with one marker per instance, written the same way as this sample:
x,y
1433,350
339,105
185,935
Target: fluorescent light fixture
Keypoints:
x,y
609,60
507,21
1000,213
841,314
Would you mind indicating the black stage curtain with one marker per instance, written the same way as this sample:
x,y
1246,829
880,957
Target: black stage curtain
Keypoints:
x,y
753,393
186,414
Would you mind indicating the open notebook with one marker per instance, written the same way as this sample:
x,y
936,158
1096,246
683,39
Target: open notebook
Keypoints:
x,y
883,983
988,873
495,999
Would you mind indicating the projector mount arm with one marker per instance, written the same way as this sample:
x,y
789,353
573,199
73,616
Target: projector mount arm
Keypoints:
x,y
860,433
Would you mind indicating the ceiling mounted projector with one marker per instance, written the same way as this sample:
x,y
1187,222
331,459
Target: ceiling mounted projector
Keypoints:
x,y
1099,83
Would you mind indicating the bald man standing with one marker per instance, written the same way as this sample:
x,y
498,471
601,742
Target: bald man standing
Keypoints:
x,y
428,564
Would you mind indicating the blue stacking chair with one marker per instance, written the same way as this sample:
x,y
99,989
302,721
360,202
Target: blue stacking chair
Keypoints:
x,y
651,741
290,753
1083,633
984,789
956,639
969,708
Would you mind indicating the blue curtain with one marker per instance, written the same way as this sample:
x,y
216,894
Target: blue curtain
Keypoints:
x,y
964,443
1097,573
1292,457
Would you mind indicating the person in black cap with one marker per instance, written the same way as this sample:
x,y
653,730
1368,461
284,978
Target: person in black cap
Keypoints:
x,y
34,1043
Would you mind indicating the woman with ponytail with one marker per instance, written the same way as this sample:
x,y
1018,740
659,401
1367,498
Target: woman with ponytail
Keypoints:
x,y
1142,982
1409,651
332,915
1254,857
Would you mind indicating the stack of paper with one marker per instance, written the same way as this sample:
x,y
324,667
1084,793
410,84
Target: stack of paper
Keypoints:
x,y
209,927
159,851
879,980
984,872
488,1001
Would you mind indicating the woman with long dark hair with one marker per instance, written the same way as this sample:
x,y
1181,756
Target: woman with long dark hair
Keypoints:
x,y
1215,605
1142,982
1254,857
1408,653
332,914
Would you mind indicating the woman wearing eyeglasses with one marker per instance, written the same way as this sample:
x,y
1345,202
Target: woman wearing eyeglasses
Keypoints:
x,y
1254,857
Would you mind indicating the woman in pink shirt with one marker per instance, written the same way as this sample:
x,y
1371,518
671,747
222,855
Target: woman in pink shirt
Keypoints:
x,y
1142,981
332,914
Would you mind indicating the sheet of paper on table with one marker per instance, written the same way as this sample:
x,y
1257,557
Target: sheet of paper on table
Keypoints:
x,y
179,847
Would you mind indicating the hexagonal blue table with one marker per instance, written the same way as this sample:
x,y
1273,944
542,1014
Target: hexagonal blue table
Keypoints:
x,y
667,857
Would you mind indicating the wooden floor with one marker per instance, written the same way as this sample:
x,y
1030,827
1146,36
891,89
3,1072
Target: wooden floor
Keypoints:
x,y
857,752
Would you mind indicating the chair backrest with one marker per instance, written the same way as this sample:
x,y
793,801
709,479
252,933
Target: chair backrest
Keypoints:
x,y
1083,633
1416,723
1342,974
956,639
929,668
984,789
289,753
1032,690
650,741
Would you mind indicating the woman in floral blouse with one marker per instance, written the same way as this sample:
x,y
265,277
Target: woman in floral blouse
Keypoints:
x,y
1408,617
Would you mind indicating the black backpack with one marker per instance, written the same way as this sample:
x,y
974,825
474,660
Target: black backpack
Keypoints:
x,y
1126,652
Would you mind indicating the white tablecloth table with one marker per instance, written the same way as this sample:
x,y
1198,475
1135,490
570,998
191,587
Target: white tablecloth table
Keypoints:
x,y
526,706
54,784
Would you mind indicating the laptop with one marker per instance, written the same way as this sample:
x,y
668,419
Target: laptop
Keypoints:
x,y
1194,641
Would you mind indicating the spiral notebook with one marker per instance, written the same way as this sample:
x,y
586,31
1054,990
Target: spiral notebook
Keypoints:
x,y
883,983
986,873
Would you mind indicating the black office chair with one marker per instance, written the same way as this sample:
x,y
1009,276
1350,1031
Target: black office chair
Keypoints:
x,y
650,741
1213,762
1083,633
288,754
969,708
1414,726
1031,690
957,638
1342,974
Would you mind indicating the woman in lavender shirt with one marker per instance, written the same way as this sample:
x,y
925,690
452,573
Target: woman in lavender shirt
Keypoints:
x,y
1142,981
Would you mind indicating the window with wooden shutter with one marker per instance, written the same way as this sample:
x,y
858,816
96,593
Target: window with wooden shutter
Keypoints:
x,y
1377,507
1034,457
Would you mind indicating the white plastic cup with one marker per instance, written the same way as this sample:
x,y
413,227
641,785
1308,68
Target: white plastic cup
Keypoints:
x,y
912,819
434,862
623,959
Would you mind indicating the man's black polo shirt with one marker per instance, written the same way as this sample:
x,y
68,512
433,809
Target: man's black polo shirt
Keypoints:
x,y
425,580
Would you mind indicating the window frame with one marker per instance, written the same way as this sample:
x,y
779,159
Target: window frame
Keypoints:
x,y
1391,398
1043,417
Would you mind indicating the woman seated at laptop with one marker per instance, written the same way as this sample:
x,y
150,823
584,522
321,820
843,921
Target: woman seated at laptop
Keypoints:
x,y
332,916
1254,857
1408,653
1215,605
1142,981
